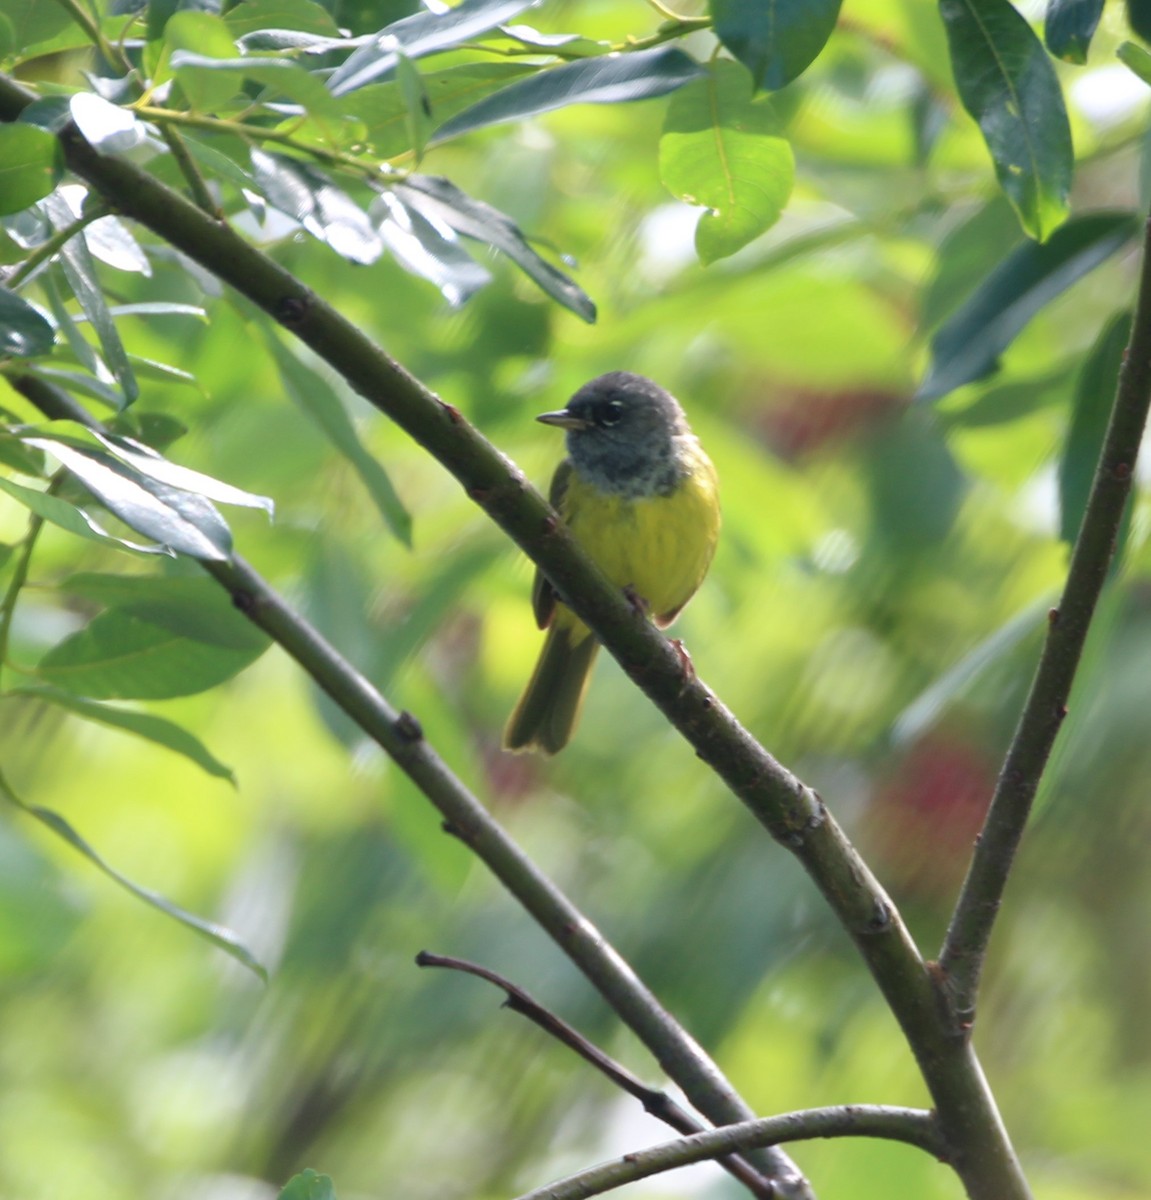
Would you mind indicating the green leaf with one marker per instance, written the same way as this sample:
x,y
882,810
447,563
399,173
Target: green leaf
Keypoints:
x,y
80,271
1139,18
179,520
1007,83
383,112
207,37
723,150
283,77
1090,412
110,129
1137,59
191,606
119,656
420,34
611,79
440,201
429,251
31,164
307,1185
218,935
68,516
311,391
15,454
776,40
417,108
143,725
968,346
111,241
34,21
24,333
1069,27
260,16
324,210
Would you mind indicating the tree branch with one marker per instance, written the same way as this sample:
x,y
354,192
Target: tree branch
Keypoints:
x,y
790,811
658,1104
400,736
964,949
910,1125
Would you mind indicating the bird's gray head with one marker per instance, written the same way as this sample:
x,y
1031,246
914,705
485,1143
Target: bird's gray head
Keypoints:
x,y
621,431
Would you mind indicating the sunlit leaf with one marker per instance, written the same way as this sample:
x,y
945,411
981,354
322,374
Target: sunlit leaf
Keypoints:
x,y
110,128
611,79
722,150
148,726
420,34
304,16
1007,83
283,77
968,346
441,202
206,36
776,40
307,1185
31,163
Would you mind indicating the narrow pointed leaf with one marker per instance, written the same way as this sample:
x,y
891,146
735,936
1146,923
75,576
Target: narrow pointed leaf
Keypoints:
x,y
420,34
310,391
1007,83
442,202
218,935
148,726
776,40
283,77
307,1185
968,346
610,79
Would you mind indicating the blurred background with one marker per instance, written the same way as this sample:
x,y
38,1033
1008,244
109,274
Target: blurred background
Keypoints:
x,y
873,616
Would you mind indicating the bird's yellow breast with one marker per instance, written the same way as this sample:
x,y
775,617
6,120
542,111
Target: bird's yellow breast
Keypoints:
x,y
658,546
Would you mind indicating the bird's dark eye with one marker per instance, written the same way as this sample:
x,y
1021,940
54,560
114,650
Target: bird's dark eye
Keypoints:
x,y
609,412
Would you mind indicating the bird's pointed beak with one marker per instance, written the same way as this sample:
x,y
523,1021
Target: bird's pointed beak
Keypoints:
x,y
564,419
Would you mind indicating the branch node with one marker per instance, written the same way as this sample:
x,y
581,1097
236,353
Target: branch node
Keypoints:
x,y
408,727
1053,617
244,601
1121,471
291,310
452,413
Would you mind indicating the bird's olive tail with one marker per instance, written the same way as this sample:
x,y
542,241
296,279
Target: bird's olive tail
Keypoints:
x,y
549,708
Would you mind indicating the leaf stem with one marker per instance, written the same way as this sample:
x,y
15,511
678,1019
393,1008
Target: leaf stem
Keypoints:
x,y
49,249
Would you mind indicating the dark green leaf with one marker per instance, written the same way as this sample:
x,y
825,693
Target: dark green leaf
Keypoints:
x,y
612,79
420,34
218,935
1137,59
428,251
968,346
442,202
80,271
1069,27
1139,18
776,40
143,725
307,1185
118,656
722,150
417,108
24,333
174,518
1007,83
310,391
34,21
1090,412
191,606
68,516
81,350
111,129
30,165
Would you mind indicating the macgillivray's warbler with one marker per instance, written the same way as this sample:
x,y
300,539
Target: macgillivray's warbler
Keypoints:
x,y
641,497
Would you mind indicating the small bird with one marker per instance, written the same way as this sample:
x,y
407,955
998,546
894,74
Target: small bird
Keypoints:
x,y
641,496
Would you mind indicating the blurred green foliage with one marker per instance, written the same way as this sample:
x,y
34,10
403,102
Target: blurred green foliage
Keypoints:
x,y
872,616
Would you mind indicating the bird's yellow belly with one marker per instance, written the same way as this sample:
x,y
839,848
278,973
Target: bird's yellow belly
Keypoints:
x,y
658,546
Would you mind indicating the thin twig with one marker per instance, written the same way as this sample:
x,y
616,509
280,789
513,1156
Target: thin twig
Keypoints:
x,y
191,172
964,949
48,250
911,1125
658,1104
